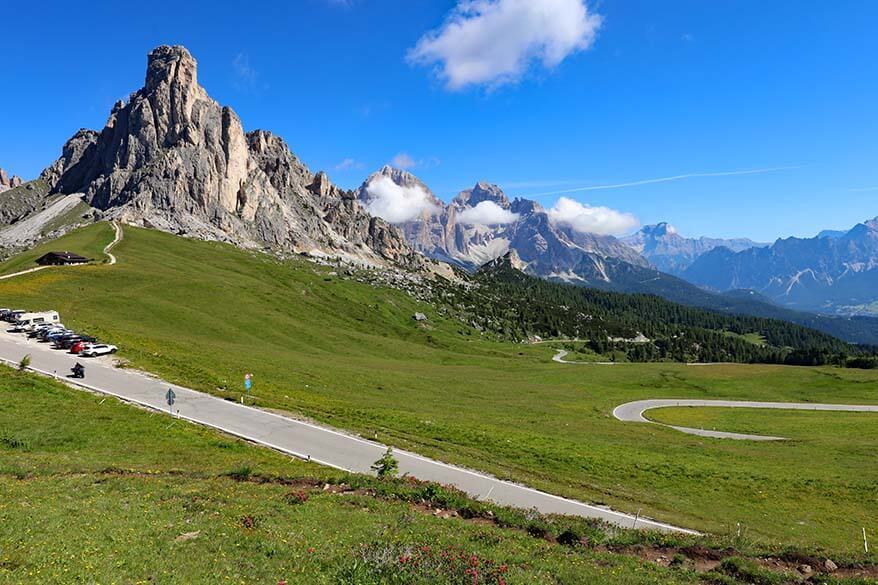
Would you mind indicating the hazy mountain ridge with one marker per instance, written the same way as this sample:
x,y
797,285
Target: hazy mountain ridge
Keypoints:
x,y
825,273
671,252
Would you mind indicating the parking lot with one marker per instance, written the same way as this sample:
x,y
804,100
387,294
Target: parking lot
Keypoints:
x,y
45,327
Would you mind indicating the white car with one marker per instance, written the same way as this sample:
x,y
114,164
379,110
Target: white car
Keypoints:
x,y
97,349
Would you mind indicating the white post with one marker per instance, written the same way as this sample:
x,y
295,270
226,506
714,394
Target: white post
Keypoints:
x,y
865,542
636,518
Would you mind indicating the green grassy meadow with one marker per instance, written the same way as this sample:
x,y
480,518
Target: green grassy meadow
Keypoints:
x,y
109,493
350,355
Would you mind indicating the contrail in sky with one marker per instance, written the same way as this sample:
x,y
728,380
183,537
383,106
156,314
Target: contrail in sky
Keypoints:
x,y
667,180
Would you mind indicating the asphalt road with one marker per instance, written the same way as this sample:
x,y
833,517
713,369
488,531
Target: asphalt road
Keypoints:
x,y
301,439
633,412
563,353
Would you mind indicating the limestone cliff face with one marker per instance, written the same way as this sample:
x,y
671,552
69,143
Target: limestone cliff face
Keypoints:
x,y
174,159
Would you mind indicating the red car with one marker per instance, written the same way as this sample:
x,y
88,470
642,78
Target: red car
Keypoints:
x,y
78,347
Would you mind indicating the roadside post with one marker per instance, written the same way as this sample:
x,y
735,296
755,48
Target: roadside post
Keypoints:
x,y
171,398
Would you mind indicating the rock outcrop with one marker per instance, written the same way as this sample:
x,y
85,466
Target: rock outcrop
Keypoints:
x,y
174,159
7,182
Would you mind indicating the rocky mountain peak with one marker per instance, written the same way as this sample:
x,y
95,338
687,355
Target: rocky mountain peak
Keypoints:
x,y
661,229
526,207
398,175
174,159
170,65
401,178
482,191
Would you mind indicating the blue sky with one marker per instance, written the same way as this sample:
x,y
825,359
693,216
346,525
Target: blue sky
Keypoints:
x,y
652,90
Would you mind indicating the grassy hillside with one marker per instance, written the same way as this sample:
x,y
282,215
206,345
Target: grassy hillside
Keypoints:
x,y
88,241
350,354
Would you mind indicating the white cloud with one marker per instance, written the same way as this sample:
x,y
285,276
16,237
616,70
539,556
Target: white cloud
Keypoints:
x,y
487,213
398,204
403,160
348,164
495,41
584,218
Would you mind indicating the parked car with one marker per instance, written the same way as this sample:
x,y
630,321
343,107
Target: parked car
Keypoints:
x,y
38,329
43,330
12,316
67,341
96,349
78,347
53,334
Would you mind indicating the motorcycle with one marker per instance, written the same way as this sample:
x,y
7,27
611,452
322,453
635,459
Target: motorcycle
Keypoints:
x,y
78,371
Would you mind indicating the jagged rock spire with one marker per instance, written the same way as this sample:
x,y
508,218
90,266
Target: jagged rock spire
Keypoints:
x,y
174,159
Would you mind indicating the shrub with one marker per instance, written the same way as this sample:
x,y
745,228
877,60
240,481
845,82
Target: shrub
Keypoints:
x,y
296,497
387,466
240,473
24,363
570,537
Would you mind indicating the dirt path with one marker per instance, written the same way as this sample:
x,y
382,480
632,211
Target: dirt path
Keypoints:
x,y
112,258
116,240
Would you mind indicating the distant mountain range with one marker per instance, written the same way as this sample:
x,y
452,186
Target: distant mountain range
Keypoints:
x,y
670,252
828,273
481,224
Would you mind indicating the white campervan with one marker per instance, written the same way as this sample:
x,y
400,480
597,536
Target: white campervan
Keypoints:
x,y
28,320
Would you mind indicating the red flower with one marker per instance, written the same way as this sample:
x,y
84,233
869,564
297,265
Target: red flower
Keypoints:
x,y
311,550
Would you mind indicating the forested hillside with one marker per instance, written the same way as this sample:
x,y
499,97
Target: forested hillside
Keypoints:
x,y
517,306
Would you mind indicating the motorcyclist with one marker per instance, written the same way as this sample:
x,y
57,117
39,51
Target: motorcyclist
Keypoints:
x,y
78,370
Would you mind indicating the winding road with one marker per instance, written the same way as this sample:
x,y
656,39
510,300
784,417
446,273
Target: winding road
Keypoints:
x,y
305,440
563,353
633,412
